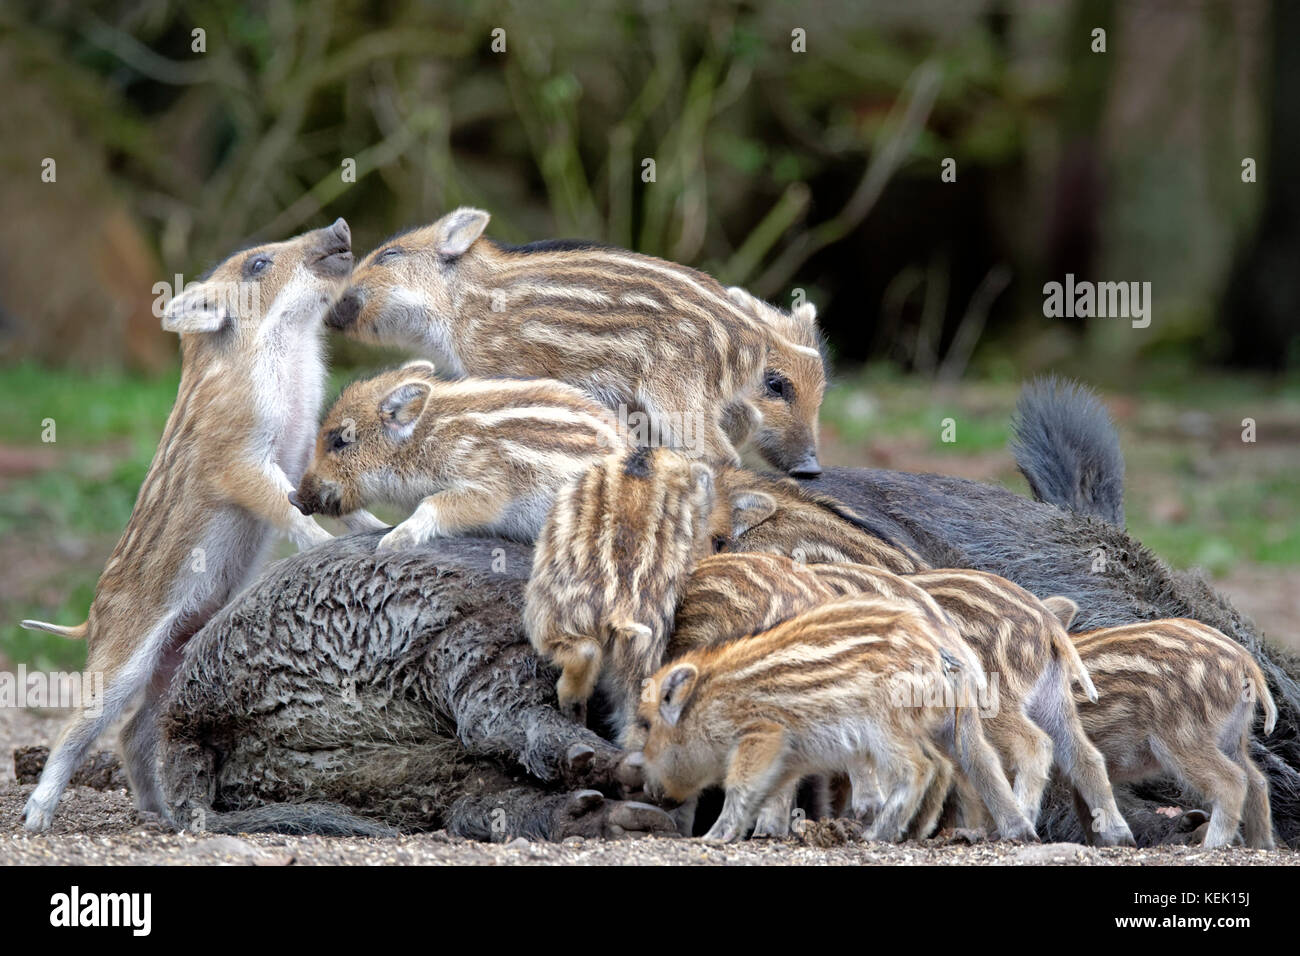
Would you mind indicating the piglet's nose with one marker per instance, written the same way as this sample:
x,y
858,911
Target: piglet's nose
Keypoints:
x,y
807,467
344,312
341,231
293,495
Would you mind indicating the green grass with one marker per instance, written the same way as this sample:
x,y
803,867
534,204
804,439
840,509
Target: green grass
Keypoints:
x,y
106,427
86,408
1248,520
876,402
1246,509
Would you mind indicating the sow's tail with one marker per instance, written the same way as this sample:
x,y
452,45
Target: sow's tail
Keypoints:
x,y
1066,447
73,633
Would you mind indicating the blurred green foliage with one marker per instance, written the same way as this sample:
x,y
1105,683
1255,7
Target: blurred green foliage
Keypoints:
x,y
775,169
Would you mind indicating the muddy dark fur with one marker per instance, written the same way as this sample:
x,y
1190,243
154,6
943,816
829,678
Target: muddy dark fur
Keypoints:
x,y
953,522
397,689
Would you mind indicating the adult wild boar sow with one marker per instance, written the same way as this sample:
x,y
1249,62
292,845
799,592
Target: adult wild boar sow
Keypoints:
x,y
237,439
397,685
637,333
447,625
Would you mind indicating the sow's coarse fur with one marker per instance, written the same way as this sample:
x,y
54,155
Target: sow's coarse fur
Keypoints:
x,y
634,331
351,690
950,522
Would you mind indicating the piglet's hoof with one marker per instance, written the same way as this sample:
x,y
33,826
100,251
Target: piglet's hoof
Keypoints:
x,y
587,813
152,822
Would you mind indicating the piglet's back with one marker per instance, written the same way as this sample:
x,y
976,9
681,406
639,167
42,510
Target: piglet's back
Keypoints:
x,y
826,664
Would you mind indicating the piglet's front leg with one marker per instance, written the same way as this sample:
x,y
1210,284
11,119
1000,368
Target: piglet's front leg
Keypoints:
x,y
756,771
450,512
264,491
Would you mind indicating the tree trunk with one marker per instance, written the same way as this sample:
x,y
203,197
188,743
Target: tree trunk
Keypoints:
x,y
1258,327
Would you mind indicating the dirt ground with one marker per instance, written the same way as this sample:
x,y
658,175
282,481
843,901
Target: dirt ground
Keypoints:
x,y
101,827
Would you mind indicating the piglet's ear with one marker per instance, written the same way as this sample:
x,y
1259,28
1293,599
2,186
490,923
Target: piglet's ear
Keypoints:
x,y
198,309
1063,608
740,297
749,303
400,409
675,691
806,313
419,367
749,509
456,231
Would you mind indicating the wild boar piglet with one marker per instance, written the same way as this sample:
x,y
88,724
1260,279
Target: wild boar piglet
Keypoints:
x,y
1023,645
216,492
733,595
661,342
1177,698
609,567
482,456
809,527
855,683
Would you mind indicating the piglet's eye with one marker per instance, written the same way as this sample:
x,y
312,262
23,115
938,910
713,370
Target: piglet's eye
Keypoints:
x,y
777,386
256,265
337,441
719,544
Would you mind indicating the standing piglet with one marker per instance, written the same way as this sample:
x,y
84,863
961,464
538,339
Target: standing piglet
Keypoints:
x,y
1022,641
848,685
730,596
237,439
1177,698
609,569
480,456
